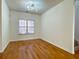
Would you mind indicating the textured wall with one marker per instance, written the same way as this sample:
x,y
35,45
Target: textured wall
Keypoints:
x,y
5,24
58,25
14,18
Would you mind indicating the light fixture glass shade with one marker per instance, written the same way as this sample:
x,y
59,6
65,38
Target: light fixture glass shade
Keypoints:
x,y
33,5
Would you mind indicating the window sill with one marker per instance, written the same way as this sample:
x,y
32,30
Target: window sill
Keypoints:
x,y
26,34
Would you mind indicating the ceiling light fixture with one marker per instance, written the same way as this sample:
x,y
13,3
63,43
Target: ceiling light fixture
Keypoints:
x,y
33,5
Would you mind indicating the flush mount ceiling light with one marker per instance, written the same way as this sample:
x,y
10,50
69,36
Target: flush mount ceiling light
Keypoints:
x,y
33,5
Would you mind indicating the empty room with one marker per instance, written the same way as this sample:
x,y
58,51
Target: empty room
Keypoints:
x,y
39,29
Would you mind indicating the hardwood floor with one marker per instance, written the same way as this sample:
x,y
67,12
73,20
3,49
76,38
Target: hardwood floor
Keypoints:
x,y
36,49
0,56
77,54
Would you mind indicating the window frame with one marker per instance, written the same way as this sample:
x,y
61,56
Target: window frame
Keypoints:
x,y
31,26
27,33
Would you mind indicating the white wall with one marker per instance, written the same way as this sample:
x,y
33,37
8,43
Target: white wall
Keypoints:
x,y
0,28
57,25
77,20
14,18
5,24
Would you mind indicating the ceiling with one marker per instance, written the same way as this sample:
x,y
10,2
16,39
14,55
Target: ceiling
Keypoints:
x,y
44,5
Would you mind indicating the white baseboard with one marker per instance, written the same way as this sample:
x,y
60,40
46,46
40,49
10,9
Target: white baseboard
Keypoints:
x,y
3,49
36,38
71,52
25,39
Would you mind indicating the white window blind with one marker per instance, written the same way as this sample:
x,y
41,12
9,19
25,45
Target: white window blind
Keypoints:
x,y
26,26
30,26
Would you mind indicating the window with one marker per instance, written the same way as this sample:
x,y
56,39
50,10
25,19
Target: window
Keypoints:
x,y
22,27
26,26
30,26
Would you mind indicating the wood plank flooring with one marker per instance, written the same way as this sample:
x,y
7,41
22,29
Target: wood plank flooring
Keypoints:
x,y
0,56
36,49
77,54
